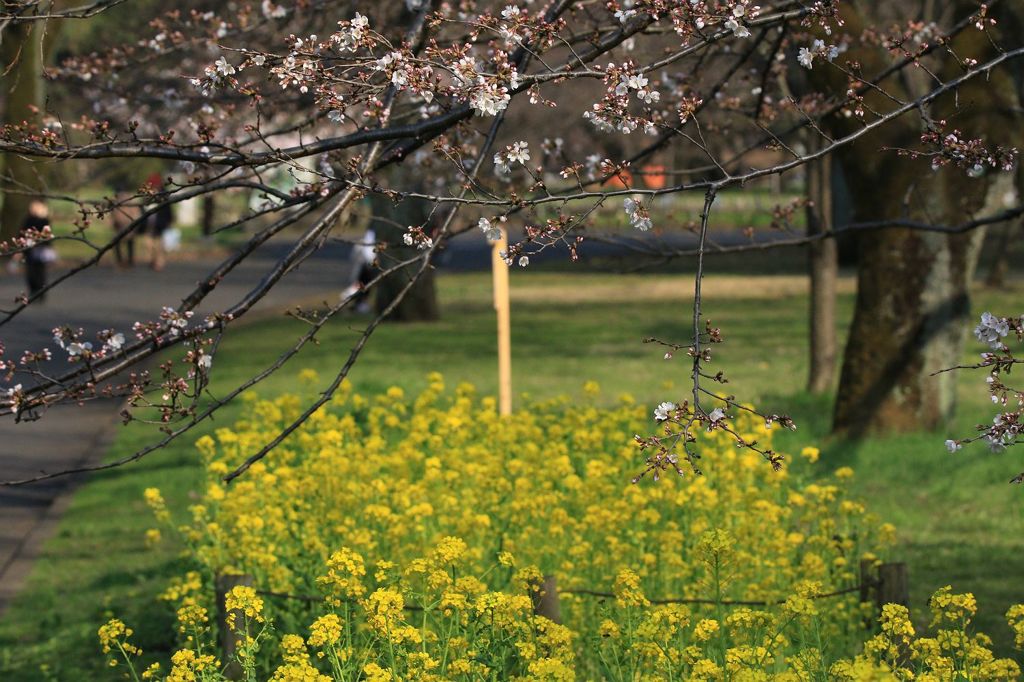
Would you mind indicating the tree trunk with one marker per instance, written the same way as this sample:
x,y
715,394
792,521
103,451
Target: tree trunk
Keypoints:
x,y
996,278
22,52
419,305
909,321
1001,261
390,221
911,314
824,271
913,298
209,213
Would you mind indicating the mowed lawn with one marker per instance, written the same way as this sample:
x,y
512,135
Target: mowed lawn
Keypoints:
x,y
958,519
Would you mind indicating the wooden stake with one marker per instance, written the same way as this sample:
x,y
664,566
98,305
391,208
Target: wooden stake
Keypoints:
x,y
229,636
868,590
545,599
893,585
503,307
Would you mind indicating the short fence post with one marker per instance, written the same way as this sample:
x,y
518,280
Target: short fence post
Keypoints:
x,y
229,636
869,590
893,585
545,599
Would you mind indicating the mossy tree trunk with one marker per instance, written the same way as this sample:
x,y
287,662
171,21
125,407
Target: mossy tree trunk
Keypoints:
x,y
913,296
996,277
912,304
1008,233
22,52
390,220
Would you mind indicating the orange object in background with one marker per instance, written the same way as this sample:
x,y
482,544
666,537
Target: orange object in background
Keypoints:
x,y
655,177
623,180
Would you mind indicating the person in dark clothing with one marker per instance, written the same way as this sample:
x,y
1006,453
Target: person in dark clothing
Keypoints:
x,y
157,224
38,256
122,217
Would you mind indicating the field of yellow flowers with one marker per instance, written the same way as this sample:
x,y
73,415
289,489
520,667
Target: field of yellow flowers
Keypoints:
x,y
405,538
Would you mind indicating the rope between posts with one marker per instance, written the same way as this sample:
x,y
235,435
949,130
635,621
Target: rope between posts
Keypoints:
x,y
611,595
722,602
316,599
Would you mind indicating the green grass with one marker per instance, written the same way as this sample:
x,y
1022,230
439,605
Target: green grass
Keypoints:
x,y
673,214
75,245
958,519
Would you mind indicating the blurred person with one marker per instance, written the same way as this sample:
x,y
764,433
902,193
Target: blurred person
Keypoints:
x,y
361,262
158,223
38,256
121,218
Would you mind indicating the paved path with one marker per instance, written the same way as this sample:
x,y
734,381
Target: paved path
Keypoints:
x,y
97,299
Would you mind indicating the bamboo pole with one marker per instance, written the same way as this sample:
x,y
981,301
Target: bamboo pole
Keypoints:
x,y
503,307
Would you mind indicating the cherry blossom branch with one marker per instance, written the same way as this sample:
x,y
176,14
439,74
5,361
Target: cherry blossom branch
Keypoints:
x,y
1007,427
81,12
218,403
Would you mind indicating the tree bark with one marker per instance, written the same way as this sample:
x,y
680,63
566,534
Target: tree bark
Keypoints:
x,y
913,296
1001,261
390,221
22,53
824,271
909,321
209,213
996,277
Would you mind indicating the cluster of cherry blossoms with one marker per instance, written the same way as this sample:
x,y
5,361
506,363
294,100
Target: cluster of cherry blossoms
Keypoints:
x,y
818,48
955,149
639,216
515,153
492,232
73,342
666,450
732,15
612,113
355,66
1007,425
26,240
416,236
